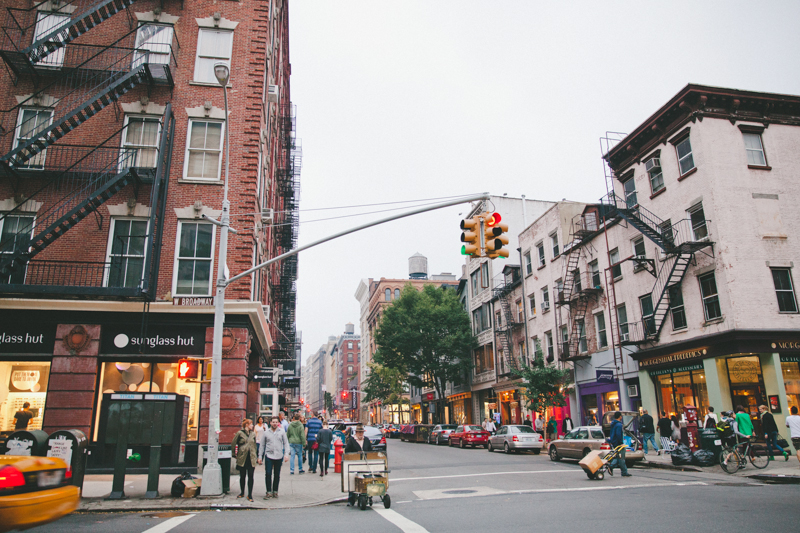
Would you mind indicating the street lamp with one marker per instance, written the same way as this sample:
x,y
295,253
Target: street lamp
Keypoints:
x,y
212,473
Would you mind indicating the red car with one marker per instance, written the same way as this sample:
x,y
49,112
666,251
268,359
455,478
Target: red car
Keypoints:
x,y
469,436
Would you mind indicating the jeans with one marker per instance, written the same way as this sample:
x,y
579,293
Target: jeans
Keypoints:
x,y
649,437
620,462
772,439
313,456
296,451
273,465
324,458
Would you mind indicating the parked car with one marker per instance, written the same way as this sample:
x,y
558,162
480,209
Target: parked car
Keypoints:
x,y
34,491
374,434
440,433
468,435
516,438
583,439
393,431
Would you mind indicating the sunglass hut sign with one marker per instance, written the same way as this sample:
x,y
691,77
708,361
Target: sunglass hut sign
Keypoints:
x,y
27,339
157,340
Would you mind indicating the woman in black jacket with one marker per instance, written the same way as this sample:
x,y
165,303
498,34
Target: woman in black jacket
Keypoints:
x,y
770,429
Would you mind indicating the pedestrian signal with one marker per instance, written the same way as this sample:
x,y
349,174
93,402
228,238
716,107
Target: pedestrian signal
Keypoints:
x,y
188,369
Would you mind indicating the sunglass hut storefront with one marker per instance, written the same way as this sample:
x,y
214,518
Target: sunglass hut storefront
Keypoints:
x,y
725,371
65,371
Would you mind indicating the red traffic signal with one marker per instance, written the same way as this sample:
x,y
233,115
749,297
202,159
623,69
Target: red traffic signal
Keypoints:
x,y
188,369
302,401
492,219
344,395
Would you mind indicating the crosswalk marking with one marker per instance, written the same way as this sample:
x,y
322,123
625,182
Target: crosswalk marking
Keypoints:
x,y
405,525
166,525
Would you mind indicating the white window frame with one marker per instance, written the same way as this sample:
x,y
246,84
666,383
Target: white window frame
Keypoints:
x,y
545,299
176,262
38,159
213,59
656,178
124,147
188,149
55,59
602,333
555,245
674,309
753,151
624,330
3,221
790,290
540,253
160,51
110,244
548,340
631,198
532,304
707,298
648,317
594,267
636,242
615,263
691,211
528,263
686,157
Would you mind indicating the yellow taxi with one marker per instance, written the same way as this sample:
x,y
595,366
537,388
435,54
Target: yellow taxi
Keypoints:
x,y
34,491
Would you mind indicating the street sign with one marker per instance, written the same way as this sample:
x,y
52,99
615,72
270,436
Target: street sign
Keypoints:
x,y
291,382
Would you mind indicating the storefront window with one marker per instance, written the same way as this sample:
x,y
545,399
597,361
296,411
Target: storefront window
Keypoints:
x,y
610,401
681,386
149,377
791,380
20,383
589,402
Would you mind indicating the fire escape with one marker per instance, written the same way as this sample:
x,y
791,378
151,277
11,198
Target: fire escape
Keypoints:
x,y
57,183
505,328
286,225
579,290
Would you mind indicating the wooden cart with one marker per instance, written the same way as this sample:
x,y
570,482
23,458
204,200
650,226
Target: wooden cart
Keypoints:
x,y
366,476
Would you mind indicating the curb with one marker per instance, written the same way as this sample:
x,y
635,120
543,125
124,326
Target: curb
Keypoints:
x,y
210,507
777,479
666,466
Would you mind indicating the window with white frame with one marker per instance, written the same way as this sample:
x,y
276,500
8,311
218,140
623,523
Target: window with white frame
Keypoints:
x,y
708,291
195,246
648,318
616,267
532,300
350,357
554,241
576,276
350,345
213,46
602,336
485,275
548,338
48,22
126,253
520,311
15,236
528,264
782,278
622,320
31,122
629,188
685,158
204,149
540,254
698,219
537,348
474,279
755,149
583,346
564,334
154,44
140,143
545,299
655,175
676,308
638,247
594,267
559,290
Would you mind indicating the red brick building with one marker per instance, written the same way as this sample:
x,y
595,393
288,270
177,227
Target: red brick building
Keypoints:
x,y
112,135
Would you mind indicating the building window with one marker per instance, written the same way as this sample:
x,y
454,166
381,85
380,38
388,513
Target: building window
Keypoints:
x,y
194,259
388,295
622,320
676,307
23,382
594,267
602,336
396,294
46,23
564,332
126,253
474,279
497,319
666,232
532,300
648,320
537,348
548,339
583,346
655,175
156,40
520,311
559,290
629,187
554,241
485,274
685,159
32,122
754,149
616,267
140,147
15,237
523,354
349,370
638,247
477,320
350,358
782,279
213,46
708,290
203,150
576,275
350,345
540,253
528,264
545,299
698,219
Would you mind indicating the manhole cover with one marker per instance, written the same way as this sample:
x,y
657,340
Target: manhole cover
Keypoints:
x,y
459,491
167,514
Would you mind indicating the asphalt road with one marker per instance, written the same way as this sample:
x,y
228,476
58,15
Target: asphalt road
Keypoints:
x,y
440,489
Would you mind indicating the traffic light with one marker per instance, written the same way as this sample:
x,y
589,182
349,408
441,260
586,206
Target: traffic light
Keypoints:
x,y
494,235
471,236
344,395
302,401
188,369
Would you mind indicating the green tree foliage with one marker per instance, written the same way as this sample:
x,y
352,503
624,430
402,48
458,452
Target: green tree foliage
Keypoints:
x,y
328,402
384,384
426,336
545,385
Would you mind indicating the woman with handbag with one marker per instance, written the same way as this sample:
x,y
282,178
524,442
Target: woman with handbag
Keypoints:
x,y
244,442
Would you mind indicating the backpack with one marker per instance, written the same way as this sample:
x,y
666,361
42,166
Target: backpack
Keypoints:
x,y
710,423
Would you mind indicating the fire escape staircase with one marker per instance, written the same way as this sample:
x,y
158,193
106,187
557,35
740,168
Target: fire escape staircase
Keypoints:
x,y
505,331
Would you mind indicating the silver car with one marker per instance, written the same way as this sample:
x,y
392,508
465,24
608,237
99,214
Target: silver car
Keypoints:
x,y
516,438
583,439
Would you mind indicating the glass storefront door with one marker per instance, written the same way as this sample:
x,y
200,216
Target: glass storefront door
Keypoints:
x,y
747,386
791,380
679,387
589,402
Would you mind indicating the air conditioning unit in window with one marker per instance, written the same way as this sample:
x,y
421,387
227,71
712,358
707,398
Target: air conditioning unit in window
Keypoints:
x,y
265,308
267,214
652,164
546,306
273,93
625,337
633,391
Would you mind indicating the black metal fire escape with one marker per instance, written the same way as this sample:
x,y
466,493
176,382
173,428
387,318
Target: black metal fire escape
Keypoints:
x,y
70,181
504,330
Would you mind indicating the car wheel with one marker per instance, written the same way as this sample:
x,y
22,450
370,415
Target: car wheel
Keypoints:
x,y
554,454
486,445
536,451
506,448
461,444
450,443
585,452
489,447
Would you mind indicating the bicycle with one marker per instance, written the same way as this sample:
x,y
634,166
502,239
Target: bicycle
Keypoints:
x,y
734,457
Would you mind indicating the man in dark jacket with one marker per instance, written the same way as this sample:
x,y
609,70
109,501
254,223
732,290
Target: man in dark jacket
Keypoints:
x,y
359,443
665,431
770,429
648,431
615,439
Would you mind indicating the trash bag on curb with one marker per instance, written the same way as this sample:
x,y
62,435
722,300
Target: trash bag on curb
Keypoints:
x,y
178,486
704,458
682,455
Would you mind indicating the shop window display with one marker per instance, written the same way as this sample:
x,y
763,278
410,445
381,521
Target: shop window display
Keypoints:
x,y
677,389
149,377
610,401
22,382
791,380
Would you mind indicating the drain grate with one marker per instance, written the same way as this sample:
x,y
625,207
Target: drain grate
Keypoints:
x,y
459,491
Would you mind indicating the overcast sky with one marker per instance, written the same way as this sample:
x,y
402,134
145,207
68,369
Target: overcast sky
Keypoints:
x,y
406,101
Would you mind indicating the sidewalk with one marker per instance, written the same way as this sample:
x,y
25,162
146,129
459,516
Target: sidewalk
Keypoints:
x,y
295,491
778,471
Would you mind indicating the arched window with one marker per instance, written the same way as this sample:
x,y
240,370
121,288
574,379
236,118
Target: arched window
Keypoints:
x,y
396,294
388,295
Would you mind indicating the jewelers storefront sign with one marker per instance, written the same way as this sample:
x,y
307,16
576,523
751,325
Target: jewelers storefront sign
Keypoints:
x,y
673,358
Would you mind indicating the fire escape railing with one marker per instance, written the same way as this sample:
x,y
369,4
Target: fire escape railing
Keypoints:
x,y
504,331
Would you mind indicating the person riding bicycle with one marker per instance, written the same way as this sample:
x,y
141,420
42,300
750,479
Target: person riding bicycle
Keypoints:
x,y
742,425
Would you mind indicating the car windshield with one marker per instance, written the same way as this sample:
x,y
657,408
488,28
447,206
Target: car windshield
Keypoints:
x,y
524,429
448,426
473,428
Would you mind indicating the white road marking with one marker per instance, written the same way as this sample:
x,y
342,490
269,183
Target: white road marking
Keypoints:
x,y
405,525
574,471
166,525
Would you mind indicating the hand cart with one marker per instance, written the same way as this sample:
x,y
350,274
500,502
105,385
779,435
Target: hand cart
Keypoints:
x,y
365,475
595,463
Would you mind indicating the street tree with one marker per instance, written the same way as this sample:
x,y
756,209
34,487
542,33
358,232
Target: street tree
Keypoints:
x,y
385,385
426,335
328,400
545,385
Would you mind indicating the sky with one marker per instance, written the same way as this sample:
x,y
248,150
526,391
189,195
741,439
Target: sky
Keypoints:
x,y
419,100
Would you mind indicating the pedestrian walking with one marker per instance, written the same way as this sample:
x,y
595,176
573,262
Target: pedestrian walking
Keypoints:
x,y
710,421
244,442
325,440
743,424
552,428
675,426
539,425
274,452
23,416
528,422
313,426
665,432
615,439
648,431
490,427
566,425
259,428
284,422
297,439
793,423
770,429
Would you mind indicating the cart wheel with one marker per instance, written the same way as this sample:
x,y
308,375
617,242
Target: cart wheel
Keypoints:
x,y
589,475
599,475
387,501
370,501
351,499
362,502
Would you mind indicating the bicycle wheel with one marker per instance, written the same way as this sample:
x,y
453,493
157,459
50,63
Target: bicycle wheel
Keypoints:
x,y
759,457
729,460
